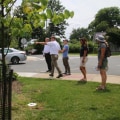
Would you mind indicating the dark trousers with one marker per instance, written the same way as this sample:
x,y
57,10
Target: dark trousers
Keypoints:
x,y
66,65
48,60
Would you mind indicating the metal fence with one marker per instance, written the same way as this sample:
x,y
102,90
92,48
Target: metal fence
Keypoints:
x,y
5,93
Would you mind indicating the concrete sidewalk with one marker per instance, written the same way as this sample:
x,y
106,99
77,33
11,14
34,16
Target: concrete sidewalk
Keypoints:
x,y
74,76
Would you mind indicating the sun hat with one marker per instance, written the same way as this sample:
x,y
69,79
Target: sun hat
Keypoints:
x,y
100,38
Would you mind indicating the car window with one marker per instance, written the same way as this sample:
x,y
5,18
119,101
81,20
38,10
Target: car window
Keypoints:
x,y
6,50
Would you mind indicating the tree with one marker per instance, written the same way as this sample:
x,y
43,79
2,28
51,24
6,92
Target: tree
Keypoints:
x,y
50,19
5,92
42,19
79,33
55,15
114,34
58,28
105,21
110,16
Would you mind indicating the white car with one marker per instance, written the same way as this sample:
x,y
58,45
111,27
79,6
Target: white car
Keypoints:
x,y
13,56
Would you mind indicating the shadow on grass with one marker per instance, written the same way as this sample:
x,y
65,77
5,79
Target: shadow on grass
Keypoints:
x,y
103,91
47,79
81,82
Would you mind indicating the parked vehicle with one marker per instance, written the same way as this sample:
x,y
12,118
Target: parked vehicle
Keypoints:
x,y
13,56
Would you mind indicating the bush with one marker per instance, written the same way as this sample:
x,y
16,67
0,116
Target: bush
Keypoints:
x,y
74,48
15,76
92,47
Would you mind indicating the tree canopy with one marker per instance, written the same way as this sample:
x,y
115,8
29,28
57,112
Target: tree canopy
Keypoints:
x,y
57,29
79,33
107,20
31,16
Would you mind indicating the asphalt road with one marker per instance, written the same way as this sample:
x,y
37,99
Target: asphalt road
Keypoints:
x,y
37,64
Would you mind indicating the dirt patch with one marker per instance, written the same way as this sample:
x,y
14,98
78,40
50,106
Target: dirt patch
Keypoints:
x,y
16,86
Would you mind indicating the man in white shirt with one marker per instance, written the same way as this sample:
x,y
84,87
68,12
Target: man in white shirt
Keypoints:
x,y
46,53
54,51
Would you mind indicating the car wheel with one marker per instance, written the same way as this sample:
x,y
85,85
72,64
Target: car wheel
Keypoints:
x,y
15,60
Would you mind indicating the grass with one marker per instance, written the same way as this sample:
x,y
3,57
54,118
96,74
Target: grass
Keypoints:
x,y
64,100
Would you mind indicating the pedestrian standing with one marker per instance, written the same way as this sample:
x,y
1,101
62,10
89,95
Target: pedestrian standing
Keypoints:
x,y
65,58
46,53
83,58
54,51
102,61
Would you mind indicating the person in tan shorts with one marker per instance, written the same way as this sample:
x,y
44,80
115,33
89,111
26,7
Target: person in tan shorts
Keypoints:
x,y
83,58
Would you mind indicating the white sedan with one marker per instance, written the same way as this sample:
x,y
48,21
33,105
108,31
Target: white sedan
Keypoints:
x,y
13,56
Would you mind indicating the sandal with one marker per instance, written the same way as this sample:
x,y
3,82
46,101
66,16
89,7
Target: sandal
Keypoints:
x,y
100,88
83,80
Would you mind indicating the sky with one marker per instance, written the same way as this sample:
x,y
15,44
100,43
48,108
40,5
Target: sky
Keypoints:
x,y
84,11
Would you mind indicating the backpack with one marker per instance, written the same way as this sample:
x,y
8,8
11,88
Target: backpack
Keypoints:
x,y
108,50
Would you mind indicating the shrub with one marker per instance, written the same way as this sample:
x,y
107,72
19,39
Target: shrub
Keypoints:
x,y
15,76
74,48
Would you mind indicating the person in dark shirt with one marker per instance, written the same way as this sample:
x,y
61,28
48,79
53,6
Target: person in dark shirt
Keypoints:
x,y
83,58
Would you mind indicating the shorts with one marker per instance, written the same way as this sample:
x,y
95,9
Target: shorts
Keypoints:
x,y
81,63
104,64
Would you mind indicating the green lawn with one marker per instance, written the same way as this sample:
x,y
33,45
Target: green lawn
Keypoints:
x,y
64,100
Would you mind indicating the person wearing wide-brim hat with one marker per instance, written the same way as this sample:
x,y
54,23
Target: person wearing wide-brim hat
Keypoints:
x,y
102,61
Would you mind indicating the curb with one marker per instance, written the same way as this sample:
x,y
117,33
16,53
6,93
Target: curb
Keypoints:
x,y
74,76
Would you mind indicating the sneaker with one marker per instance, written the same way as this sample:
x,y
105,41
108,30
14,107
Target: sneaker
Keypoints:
x,y
65,73
60,75
69,74
48,71
51,75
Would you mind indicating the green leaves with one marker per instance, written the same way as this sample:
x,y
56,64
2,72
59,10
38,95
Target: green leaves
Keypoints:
x,y
32,14
57,18
71,14
39,8
66,14
44,2
49,13
27,7
43,16
27,28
